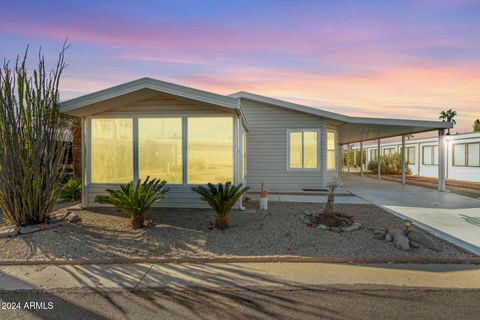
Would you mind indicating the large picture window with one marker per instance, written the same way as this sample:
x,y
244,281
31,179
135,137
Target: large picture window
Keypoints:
x,y
160,149
112,151
331,150
373,154
210,150
466,154
303,149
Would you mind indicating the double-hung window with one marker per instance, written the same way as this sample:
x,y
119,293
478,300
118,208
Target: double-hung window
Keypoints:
x,y
430,155
331,150
409,155
303,149
466,154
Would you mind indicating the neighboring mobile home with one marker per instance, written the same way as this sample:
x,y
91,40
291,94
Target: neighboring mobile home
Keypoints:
x,y
188,137
462,155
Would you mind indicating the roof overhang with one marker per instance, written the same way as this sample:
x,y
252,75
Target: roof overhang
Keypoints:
x,y
140,89
355,129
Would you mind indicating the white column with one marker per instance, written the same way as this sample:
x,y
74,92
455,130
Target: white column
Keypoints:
x,y
361,158
441,160
348,158
403,159
378,160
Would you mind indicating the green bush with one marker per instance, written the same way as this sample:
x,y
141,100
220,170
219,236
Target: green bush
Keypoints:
x,y
391,164
221,198
135,199
72,190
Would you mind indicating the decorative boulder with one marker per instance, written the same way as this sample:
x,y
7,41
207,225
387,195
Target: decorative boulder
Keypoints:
x,y
379,234
323,227
400,241
9,231
352,227
424,240
30,229
72,217
414,244
388,237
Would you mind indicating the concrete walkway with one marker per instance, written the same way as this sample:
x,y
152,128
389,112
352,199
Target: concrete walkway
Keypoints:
x,y
237,275
444,214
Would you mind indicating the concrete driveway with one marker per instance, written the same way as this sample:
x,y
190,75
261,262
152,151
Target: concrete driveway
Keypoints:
x,y
450,216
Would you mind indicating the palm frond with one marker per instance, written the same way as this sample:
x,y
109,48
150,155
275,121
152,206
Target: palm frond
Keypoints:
x,y
135,199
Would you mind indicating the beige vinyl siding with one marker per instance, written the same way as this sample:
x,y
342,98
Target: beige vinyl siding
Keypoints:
x,y
161,105
177,197
267,148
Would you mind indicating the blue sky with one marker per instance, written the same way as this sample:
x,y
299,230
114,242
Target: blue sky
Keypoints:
x,y
372,58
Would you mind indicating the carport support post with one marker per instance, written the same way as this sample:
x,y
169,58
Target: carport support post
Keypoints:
x,y
348,158
403,159
441,160
378,159
361,158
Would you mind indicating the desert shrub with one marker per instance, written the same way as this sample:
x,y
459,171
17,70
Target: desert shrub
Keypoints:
x,y
135,199
391,164
72,190
221,198
32,150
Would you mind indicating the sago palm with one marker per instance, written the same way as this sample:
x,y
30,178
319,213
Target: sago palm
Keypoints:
x,y
448,116
221,198
135,199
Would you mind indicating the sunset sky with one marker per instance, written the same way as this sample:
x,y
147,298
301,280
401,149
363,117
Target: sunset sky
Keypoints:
x,y
400,59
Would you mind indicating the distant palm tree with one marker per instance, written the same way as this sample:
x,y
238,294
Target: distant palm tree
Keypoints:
x,y
448,116
476,126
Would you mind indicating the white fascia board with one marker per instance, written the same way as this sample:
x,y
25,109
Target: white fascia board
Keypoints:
x,y
153,84
340,117
290,106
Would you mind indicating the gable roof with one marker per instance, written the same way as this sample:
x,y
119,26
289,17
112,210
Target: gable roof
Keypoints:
x,y
341,117
70,106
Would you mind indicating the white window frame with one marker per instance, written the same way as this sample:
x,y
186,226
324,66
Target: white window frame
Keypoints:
x,y
433,146
334,150
467,152
303,130
135,118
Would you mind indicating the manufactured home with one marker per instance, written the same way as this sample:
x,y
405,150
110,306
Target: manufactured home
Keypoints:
x,y
462,155
190,137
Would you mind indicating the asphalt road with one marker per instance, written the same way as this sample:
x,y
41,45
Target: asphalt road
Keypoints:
x,y
314,303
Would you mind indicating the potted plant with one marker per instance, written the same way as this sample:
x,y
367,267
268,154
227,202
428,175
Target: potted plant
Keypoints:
x,y
221,197
263,198
135,199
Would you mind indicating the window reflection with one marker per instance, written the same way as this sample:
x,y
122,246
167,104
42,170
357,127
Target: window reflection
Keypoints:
x,y
210,150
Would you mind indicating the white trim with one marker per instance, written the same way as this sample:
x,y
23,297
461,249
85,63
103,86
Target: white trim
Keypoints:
x,y
303,130
340,117
147,83
136,149
334,131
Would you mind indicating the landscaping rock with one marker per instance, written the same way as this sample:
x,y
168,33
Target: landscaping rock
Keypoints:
x,y
72,217
336,230
414,244
9,231
400,240
379,234
323,227
388,237
354,226
424,240
30,229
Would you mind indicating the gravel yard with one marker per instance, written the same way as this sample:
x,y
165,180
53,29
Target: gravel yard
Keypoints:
x,y
106,233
